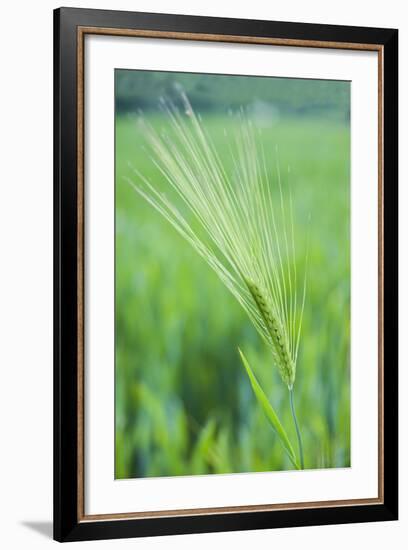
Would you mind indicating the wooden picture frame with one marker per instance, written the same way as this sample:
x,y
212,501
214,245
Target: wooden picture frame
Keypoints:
x,y
71,26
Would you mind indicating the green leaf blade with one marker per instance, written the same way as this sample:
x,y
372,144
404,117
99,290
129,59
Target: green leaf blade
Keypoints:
x,y
269,411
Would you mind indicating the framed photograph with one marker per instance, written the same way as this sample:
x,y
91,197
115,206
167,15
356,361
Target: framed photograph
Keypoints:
x,y
225,274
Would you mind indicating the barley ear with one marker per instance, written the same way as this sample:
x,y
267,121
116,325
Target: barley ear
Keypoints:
x,y
278,337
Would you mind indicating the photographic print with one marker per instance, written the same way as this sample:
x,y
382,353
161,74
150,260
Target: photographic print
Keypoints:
x,y
232,274
225,274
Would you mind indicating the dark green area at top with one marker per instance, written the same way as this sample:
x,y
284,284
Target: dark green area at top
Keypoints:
x,y
143,89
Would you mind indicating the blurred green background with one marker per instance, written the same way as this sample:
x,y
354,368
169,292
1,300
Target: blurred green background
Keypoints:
x,y
184,404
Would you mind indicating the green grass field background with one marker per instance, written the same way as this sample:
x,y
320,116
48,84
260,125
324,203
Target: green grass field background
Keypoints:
x,y
184,404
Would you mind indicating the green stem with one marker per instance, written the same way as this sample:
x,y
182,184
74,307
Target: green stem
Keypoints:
x,y
299,438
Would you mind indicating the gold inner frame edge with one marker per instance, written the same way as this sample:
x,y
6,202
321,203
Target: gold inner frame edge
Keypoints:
x,y
81,33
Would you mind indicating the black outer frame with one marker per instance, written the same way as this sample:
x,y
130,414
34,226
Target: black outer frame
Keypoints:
x,y
66,524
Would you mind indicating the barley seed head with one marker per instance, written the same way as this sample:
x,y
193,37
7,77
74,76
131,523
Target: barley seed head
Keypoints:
x,y
245,227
